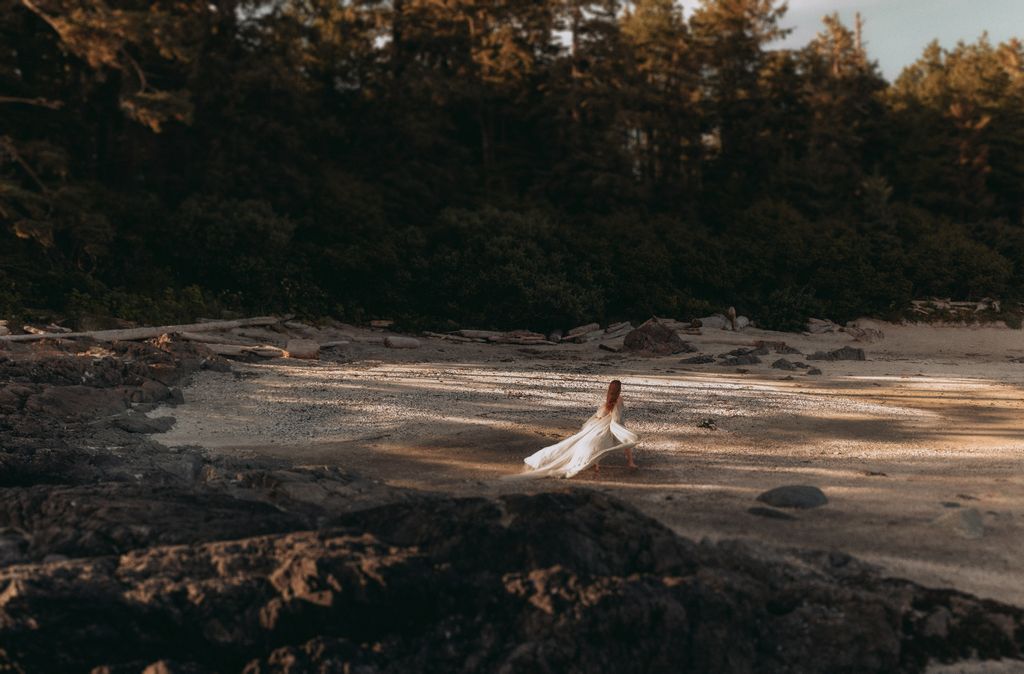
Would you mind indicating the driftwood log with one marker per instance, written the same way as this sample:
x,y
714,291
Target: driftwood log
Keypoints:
x,y
132,334
238,350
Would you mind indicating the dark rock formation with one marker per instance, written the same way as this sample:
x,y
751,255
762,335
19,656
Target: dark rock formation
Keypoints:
x,y
794,496
656,339
845,353
568,582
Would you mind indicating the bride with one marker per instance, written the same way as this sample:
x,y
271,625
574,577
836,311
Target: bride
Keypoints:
x,y
602,433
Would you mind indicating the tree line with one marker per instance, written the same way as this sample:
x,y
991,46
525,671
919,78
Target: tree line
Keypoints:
x,y
496,163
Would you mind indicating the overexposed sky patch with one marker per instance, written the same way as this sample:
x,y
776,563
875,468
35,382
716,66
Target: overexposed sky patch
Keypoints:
x,y
897,31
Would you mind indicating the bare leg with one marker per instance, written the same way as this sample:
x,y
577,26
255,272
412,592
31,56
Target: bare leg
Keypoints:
x,y
597,468
629,458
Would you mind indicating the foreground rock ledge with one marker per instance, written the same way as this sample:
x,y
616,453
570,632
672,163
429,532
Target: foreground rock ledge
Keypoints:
x,y
561,582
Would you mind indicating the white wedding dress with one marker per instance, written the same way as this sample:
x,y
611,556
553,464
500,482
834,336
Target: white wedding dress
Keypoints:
x,y
601,434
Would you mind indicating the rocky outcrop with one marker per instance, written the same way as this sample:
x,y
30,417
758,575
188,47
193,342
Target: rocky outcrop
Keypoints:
x,y
79,477
570,582
656,339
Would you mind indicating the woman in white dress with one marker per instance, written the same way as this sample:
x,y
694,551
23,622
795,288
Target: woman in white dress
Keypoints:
x,y
602,433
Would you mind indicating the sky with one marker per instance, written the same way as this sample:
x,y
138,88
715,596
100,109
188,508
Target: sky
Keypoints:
x,y
896,31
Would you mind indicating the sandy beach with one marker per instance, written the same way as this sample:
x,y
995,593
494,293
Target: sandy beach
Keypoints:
x,y
914,447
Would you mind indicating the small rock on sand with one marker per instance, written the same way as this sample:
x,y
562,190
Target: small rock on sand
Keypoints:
x,y
813,371
794,496
783,364
698,360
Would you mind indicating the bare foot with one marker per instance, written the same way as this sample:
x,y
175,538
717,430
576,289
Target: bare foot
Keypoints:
x,y
632,465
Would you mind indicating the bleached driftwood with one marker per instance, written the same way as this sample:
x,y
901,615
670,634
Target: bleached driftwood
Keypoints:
x,y
210,338
478,334
133,334
521,341
453,338
238,350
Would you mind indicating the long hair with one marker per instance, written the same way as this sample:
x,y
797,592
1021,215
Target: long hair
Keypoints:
x,y
612,397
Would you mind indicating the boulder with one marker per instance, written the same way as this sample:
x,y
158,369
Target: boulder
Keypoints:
x,y
138,423
714,321
4,330
783,364
306,349
654,338
794,496
702,359
396,342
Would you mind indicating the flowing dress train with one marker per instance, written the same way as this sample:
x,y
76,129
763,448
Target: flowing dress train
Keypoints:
x,y
602,433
